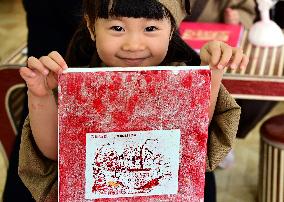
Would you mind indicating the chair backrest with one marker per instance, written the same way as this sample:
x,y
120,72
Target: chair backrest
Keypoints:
x,y
12,94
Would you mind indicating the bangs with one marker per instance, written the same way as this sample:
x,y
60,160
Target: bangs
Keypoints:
x,y
150,9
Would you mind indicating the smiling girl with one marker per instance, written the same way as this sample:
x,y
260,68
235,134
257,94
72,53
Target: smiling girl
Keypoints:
x,y
125,33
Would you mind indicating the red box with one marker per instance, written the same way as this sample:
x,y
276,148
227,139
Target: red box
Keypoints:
x,y
196,34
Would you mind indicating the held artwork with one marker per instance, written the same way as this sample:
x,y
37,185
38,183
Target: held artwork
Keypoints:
x,y
133,134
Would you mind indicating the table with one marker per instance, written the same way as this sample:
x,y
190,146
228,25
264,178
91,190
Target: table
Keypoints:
x,y
263,79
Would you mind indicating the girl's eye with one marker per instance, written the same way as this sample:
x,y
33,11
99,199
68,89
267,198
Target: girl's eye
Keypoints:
x,y
117,28
151,29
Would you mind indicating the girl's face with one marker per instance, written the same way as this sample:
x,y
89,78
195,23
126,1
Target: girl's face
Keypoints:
x,y
129,42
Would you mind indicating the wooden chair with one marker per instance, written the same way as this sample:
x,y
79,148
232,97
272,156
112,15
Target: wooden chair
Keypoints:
x,y
271,161
12,95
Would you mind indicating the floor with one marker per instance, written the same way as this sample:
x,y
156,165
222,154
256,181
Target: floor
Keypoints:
x,y
236,184
239,183
12,26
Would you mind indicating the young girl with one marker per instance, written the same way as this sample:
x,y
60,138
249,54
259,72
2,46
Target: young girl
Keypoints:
x,y
121,33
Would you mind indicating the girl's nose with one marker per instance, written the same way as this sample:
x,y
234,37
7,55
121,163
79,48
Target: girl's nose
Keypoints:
x,y
134,43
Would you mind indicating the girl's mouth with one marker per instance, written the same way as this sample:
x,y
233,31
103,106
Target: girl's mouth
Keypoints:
x,y
133,61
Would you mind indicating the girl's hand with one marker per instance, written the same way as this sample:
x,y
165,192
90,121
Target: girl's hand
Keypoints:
x,y
41,74
219,55
231,16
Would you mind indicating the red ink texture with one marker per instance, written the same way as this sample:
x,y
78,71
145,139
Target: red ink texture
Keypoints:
x,y
103,102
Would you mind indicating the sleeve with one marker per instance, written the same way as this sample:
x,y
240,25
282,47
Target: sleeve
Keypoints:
x,y
38,173
247,11
222,129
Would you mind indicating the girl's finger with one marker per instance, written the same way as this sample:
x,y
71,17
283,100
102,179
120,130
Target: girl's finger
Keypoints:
x,y
205,56
58,59
245,61
215,51
236,60
227,53
50,64
35,64
26,73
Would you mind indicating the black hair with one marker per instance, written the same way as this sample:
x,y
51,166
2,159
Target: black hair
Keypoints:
x,y
150,9
82,50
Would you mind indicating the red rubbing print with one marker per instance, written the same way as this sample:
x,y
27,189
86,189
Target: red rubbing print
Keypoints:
x,y
133,135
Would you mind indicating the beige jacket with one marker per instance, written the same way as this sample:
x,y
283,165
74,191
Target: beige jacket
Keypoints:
x,y
40,175
213,11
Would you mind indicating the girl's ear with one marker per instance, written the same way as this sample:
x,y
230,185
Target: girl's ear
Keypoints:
x,y
92,34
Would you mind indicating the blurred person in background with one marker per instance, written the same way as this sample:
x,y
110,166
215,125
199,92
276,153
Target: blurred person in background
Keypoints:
x,y
224,11
51,24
